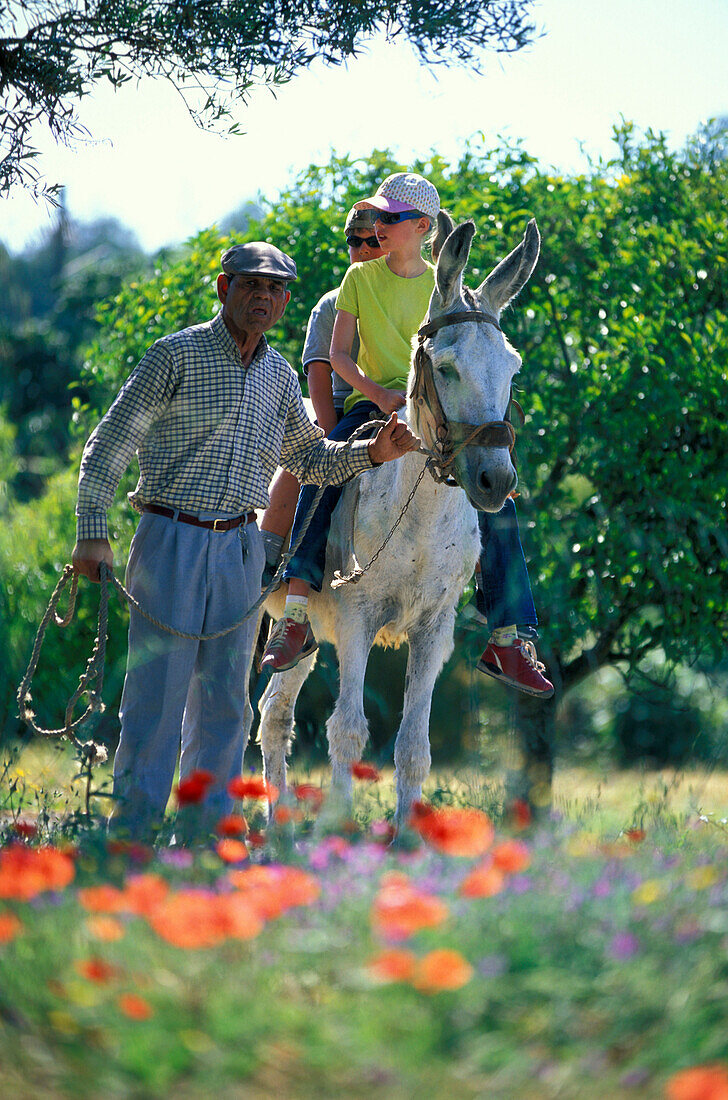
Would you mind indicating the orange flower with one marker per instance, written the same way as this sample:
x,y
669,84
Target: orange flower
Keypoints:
x,y
306,792
456,832
635,835
282,815
253,787
272,890
135,1007
442,969
511,856
366,771
400,909
10,926
394,964
192,919
188,919
298,887
483,882
105,928
232,825
26,872
143,893
238,917
231,851
102,899
193,788
97,970
709,1082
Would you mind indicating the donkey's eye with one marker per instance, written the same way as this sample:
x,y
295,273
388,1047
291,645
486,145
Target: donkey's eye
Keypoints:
x,y
448,371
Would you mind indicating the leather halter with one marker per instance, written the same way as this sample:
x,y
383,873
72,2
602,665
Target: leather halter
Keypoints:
x,y
452,436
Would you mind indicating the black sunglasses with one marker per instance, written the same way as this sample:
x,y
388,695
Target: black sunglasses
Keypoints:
x,y
386,217
356,242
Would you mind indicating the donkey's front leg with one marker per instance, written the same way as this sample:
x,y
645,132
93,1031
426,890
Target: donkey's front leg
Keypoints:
x,y
276,719
430,646
347,728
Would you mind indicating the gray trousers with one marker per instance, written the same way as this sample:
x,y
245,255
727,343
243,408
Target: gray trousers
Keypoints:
x,y
179,694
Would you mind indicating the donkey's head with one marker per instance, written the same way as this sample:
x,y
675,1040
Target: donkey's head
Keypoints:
x,y
472,363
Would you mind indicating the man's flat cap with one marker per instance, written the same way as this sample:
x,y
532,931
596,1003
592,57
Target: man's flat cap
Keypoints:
x,y
259,258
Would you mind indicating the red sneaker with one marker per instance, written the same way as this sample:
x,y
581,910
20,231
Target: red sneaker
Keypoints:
x,y
289,643
517,666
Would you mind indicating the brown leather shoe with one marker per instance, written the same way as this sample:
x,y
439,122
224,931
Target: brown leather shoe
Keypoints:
x,y
289,643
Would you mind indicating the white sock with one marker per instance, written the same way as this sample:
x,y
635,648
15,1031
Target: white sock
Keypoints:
x,y
504,635
296,608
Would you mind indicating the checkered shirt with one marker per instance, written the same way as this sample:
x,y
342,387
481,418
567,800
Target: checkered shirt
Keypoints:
x,y
209,433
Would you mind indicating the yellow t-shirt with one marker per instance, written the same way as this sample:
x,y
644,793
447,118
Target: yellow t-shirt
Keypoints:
x,y
389,310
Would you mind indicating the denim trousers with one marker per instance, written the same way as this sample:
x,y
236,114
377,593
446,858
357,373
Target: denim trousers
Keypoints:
x,y
309,561
181,695
505,598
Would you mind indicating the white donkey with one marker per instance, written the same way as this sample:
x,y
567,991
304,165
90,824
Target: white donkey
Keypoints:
x,y
458,397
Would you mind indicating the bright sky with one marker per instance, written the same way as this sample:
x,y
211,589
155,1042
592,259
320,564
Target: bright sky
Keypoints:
x,y
660,63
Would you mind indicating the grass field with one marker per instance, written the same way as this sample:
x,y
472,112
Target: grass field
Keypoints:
x,y
583,956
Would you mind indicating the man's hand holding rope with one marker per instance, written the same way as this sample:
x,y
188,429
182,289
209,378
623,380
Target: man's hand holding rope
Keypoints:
x,y
393,440
88,554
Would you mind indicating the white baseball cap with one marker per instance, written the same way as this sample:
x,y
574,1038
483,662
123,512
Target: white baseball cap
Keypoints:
x,y
406,191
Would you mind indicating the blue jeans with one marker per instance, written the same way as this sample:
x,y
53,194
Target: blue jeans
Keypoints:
x,y
506,596
309,561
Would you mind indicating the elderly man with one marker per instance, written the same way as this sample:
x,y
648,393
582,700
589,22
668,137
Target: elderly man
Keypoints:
x,y
211,411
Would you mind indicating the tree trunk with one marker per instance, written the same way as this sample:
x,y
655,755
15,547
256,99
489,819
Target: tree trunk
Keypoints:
x,y
529,781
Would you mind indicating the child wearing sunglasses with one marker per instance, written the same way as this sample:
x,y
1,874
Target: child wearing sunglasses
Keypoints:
x,y
384,302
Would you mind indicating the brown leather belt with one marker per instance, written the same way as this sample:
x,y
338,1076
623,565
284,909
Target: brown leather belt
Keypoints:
x,y
210,524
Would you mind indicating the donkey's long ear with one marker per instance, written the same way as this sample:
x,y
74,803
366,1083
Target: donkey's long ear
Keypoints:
x,y
450,265
445,226
512,273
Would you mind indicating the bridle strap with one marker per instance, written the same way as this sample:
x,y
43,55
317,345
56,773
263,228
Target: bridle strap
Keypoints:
x,y
452,436
431,327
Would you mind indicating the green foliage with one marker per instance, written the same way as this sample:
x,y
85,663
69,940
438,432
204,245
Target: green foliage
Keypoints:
x,y
52,52
623,456
35,543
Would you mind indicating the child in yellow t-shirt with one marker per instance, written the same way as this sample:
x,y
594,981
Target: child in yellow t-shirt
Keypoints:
x,y
386,300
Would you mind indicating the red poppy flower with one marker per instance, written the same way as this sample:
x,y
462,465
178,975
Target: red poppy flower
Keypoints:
x,y
482,882
102,899
442,969
10,926
709,1082
306,792
635,835
366,771
400,909
135,1007
193,788
393,964
232,825
521,813
511,856
232,851
252,787
26,872
97,970
456,832
143,893
26,830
